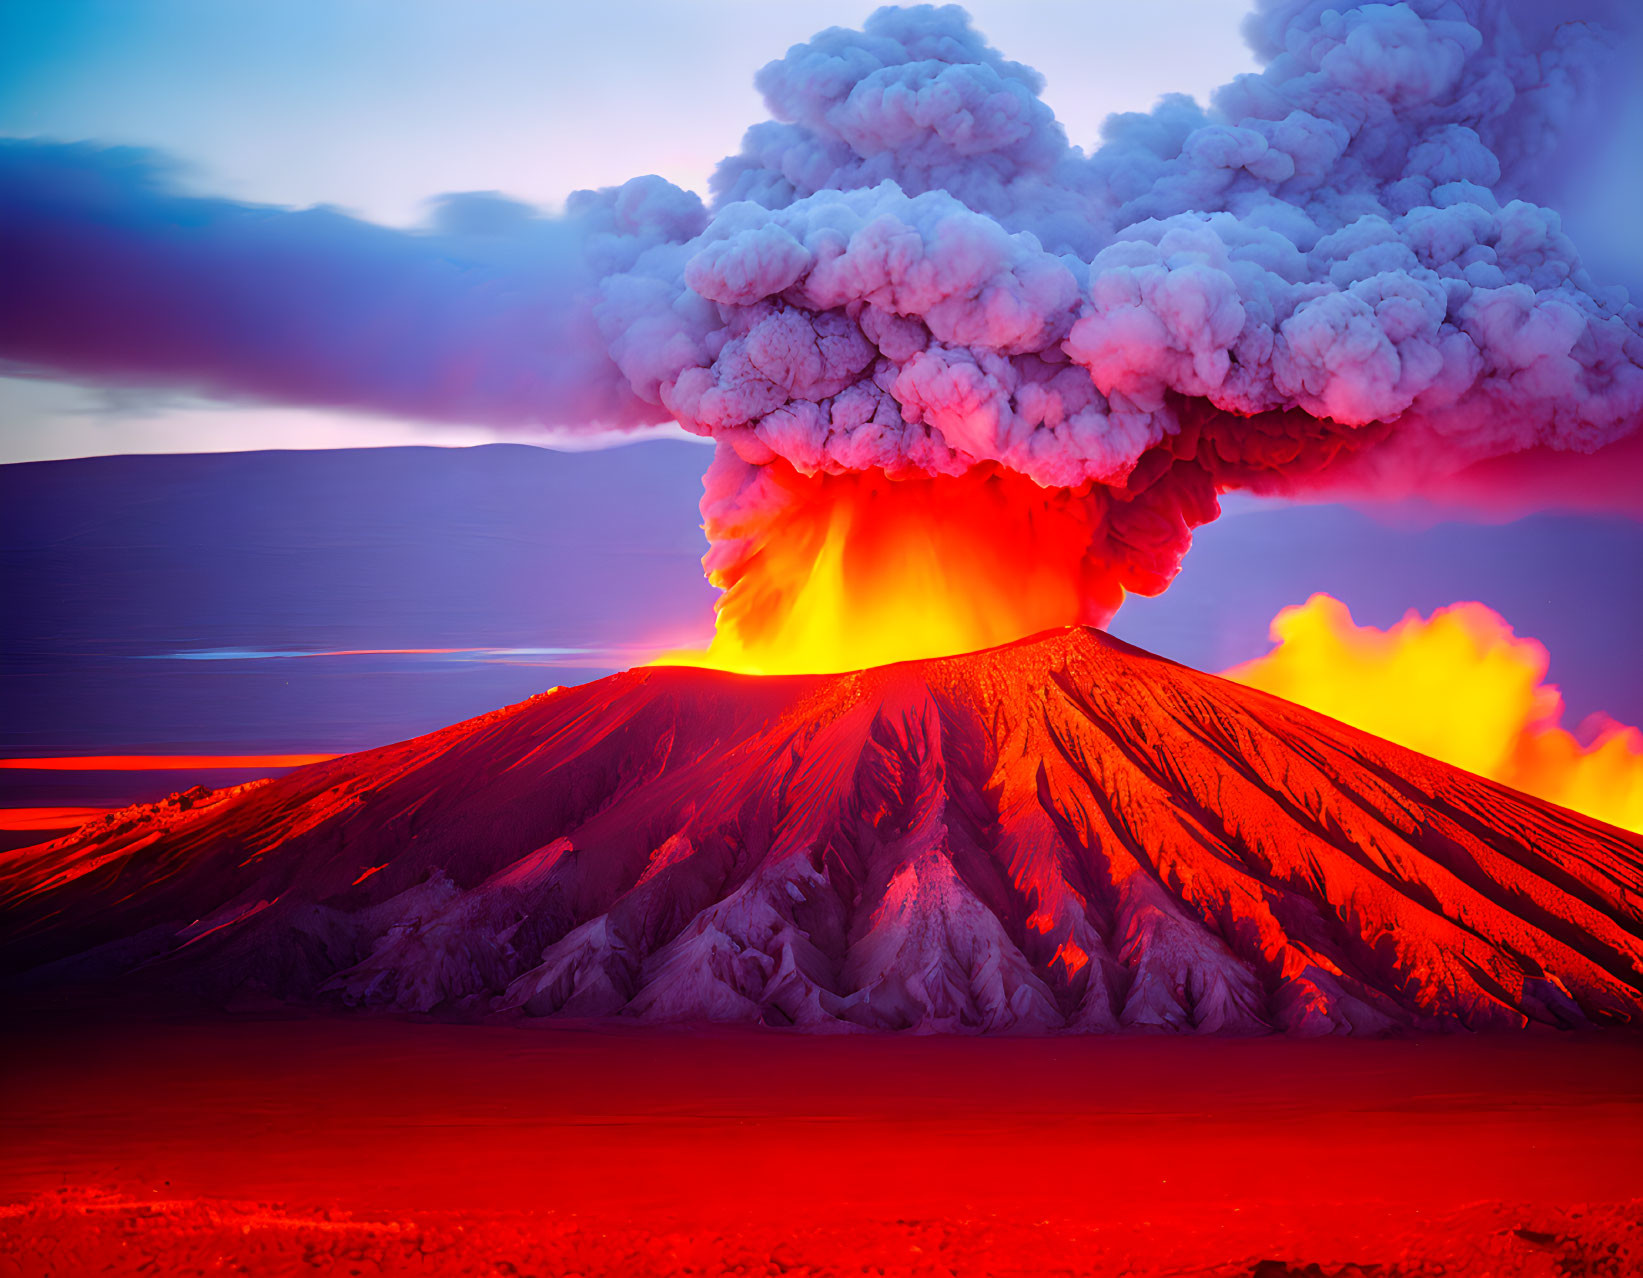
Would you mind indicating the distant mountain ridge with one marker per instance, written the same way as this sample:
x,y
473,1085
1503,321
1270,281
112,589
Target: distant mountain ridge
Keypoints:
x,y
1064,834
110,563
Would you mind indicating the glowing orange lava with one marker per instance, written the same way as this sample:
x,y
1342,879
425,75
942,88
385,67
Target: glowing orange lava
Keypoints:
x,y
1458,686
861,570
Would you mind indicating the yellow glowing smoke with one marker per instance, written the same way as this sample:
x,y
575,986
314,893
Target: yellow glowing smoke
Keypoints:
x,y
1459,686
859,570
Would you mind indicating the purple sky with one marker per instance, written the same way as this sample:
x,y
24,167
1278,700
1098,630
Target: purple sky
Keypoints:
x,y
165,593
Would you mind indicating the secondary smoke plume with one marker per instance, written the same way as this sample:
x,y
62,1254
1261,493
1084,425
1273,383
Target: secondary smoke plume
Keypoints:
x,y
1461,687
909,276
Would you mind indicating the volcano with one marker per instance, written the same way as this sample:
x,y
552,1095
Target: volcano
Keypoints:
x,y
1062,834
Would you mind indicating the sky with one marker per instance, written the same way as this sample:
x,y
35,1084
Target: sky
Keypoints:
x,y
532,99
375,107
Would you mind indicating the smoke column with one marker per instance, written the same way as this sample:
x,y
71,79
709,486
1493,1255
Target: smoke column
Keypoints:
x,y
910,291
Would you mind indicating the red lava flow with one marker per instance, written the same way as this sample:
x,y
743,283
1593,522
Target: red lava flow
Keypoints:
x,y
163,762
28,819
610,1150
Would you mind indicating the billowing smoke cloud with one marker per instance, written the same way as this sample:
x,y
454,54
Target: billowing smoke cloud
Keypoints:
x,y
1328,276
108,274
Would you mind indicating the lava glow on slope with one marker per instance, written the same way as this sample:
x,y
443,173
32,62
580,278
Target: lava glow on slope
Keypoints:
x,y
1459,686
862,570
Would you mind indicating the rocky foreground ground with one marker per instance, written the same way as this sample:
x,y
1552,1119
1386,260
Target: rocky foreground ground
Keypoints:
x,y
84,1232
361,1146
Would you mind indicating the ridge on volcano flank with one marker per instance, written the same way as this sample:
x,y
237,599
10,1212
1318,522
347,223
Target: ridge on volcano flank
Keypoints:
x,y
1063,833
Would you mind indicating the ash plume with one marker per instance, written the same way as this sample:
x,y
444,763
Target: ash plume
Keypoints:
x,y
1335,275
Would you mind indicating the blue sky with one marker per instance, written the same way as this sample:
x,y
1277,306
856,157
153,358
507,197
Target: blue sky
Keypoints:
x,y
376,106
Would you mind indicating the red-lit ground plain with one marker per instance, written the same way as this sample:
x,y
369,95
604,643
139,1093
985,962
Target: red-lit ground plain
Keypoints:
x,y
369,1146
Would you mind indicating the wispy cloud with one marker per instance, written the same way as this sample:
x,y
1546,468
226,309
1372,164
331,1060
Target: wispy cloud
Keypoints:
x,y
584,658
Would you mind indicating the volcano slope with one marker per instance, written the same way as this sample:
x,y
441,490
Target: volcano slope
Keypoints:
x,y
1065,833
